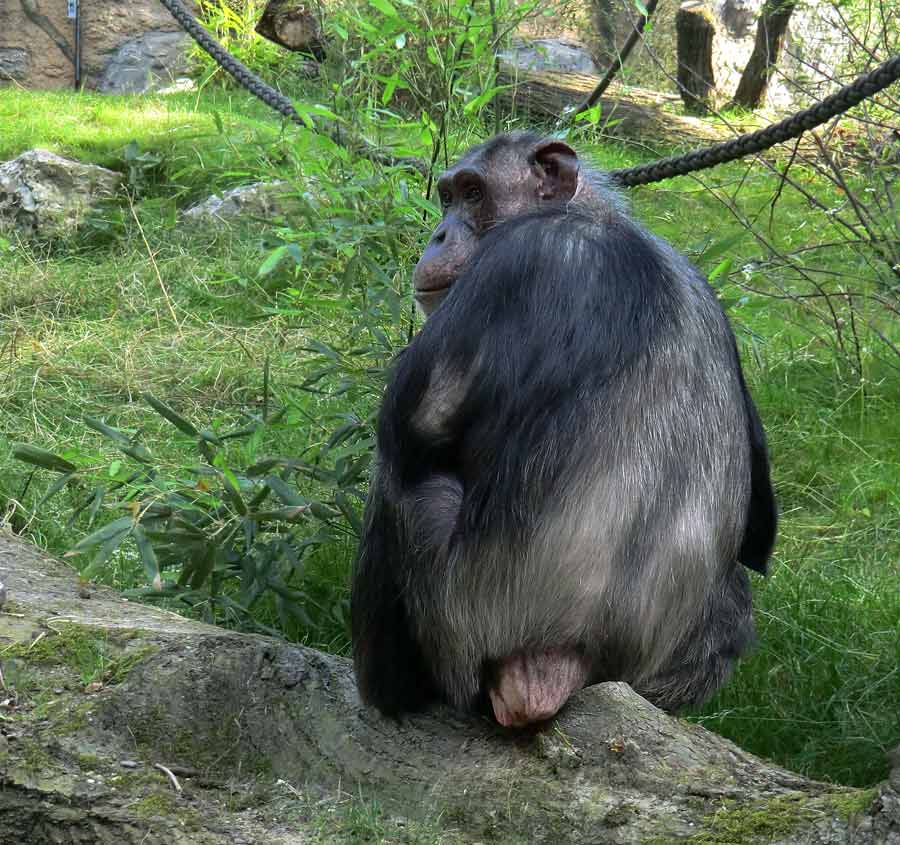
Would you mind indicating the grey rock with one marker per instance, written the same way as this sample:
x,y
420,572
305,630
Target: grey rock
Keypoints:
x,y
739,17
257,200
44,194
181,85
893,757
550,54
15,63
145,63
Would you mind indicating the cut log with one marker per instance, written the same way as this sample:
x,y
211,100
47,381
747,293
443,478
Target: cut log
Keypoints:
x,y
126,724
293,25
640,114
695,30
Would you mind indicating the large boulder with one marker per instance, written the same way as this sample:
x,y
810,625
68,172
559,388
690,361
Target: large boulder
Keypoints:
x,y
46,195
14,63
151,61
128,725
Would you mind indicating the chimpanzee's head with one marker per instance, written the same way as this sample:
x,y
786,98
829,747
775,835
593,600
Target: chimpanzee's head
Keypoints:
x,y
500,179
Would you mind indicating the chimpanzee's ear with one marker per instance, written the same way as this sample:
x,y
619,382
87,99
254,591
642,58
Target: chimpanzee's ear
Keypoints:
x,y
556,164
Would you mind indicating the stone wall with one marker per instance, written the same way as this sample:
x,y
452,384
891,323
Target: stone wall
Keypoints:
x,y
126,45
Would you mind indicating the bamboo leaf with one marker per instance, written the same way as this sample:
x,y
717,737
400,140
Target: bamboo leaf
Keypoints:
x,y
105,552
232,490
122,525
477,103
170,414
263,466
272,261
341,433
148,556
56,486
321,348
210,437
284,492
721,269
349,512
107,430
123,442
384,7
96,501
203,569
42,458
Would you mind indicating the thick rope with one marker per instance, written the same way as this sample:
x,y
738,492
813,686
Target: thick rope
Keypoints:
x,y
755,142
230,64
272,98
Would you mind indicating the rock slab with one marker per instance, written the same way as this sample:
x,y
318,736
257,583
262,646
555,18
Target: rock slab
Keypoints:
x,y
46,195
126,724
153,60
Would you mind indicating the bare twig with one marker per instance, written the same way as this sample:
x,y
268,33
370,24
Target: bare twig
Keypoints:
x,y
495,45
152,257
170,775
617,63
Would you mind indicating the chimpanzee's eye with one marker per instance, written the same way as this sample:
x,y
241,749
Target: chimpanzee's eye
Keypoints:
x,y
445,198
474,194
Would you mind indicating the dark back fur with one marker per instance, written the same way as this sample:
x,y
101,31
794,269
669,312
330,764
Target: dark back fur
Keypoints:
x,y
582,383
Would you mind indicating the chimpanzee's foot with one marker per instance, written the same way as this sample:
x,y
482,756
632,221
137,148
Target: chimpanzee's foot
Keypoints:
x,y
533,687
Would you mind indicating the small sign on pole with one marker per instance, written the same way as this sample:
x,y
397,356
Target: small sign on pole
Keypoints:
x,y
73,8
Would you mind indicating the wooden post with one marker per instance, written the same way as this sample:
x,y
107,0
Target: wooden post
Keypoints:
x,y
695,33
294,25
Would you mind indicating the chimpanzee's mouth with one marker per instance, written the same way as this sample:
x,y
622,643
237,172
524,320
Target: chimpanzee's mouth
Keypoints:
x,y
428,293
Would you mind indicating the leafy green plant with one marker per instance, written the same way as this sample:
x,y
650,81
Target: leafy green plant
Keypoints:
x,y
216,534
418,74
233,26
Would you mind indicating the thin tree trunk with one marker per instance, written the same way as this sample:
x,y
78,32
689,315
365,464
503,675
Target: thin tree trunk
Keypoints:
x,y
770,32
603,19
616,66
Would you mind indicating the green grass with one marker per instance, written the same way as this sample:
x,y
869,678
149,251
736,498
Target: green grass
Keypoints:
x,y
88,326
217,138
821,693
96,128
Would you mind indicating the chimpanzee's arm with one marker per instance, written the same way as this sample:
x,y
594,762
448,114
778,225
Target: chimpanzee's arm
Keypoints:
x,y
390,670
762,518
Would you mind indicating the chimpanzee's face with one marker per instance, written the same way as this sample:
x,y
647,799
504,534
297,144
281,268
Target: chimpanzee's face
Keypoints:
x,y
477,192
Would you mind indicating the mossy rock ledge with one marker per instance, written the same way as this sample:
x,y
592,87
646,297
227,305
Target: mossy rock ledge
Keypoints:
x,y
122,723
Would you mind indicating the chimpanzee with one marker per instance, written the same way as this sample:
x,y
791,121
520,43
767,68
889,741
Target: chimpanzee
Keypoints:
x,y
570,471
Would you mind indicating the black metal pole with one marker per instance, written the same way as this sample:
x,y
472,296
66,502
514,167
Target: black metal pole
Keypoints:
x,y
77,44
75,13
